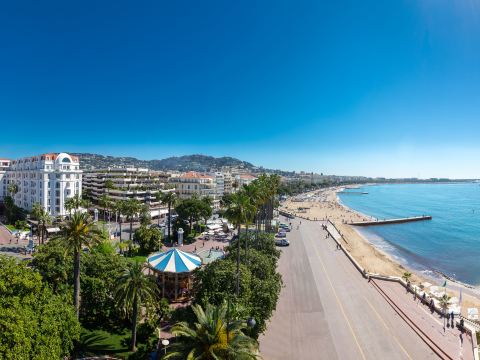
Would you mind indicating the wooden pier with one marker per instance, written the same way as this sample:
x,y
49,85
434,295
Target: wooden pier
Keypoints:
x,y
391,221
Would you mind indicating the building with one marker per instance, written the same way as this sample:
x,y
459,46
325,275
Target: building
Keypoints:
x,y
228,180
190,183
128,183
219,184
47,179
4,165
244,179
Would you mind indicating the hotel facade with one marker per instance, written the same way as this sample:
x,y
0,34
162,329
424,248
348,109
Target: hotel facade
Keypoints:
x,y
47,179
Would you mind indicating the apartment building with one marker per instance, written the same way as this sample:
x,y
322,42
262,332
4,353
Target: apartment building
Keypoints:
x,y
194,183
47,179
128,183
243,179
4,165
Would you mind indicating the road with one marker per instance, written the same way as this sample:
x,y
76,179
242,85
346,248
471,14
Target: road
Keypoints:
x,y
328,311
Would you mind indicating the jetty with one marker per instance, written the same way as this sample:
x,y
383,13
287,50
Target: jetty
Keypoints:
x,y
355,192
391,221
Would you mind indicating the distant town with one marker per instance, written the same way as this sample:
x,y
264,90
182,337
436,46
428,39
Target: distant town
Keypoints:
x,y
50,179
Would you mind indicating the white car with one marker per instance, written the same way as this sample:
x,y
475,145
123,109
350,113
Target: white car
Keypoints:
x,y
282,242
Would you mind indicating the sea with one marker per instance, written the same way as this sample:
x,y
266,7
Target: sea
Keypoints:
x,y
447,245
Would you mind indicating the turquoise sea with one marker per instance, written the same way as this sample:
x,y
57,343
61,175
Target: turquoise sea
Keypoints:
x,y
449,243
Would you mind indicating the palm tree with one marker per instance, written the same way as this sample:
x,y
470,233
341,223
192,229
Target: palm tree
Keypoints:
x,y
406,276
105,203
135,289
78,232
444,302
44,219
169,198
238,212
37,211
131,208
12,189
74,203
119,207
212,337
252,191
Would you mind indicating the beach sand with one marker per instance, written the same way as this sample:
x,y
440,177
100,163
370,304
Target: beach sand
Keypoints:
x,y
324,204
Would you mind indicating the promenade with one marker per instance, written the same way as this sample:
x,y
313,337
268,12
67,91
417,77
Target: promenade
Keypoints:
x,y
327,310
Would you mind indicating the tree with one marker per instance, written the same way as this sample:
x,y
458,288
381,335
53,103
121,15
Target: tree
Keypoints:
x,y
77,233
169,198
131,208
134,290
12,189
149,239
206,208
119,207
105,202
212,337
12,211
74,203
145,216
100,271
238,213
189,210
444,302
54,264
43,219
35,323
406,276
260,283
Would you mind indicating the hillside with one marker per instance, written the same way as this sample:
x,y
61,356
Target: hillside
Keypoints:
x,y
180,163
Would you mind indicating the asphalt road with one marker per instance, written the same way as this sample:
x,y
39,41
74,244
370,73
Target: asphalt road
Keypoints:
x,y
328,311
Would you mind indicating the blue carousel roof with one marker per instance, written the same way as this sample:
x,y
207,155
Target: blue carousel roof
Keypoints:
x,y
174,261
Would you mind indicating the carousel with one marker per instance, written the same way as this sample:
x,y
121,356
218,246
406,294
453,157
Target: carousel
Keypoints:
x,y
174,272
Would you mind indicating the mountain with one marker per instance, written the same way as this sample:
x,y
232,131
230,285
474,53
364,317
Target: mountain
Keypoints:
x,y
180,163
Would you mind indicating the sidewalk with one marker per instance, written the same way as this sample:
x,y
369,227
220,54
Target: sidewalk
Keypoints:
x,y
452,341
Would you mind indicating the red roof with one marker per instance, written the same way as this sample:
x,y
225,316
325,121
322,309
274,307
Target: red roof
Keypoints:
x,y
247,177
195,175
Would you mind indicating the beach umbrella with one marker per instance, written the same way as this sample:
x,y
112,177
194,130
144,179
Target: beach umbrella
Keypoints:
x,y
425,285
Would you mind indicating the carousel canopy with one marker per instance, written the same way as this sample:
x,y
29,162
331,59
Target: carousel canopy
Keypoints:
x,y
174,261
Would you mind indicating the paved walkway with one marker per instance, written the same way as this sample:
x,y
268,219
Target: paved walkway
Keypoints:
x,y
9,245
452,341
327,310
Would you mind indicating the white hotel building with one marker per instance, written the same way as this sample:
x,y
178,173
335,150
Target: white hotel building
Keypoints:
x,y
4,165
47,179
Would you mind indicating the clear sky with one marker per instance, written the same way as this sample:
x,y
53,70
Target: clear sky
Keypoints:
x,y
376,88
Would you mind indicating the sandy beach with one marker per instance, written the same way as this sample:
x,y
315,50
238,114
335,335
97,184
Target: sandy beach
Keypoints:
x,y
324,204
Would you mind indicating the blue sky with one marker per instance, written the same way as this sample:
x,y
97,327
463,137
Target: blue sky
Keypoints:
x,y
376,88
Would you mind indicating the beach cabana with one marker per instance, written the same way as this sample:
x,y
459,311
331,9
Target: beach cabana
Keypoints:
x,y
472,313
174,269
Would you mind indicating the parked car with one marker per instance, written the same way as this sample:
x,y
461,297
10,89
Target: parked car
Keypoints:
x,y
282,242
281,235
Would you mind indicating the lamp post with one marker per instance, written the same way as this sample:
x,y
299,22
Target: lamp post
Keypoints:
x,y
165,343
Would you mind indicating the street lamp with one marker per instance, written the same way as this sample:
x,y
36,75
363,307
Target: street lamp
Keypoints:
x,y
165,343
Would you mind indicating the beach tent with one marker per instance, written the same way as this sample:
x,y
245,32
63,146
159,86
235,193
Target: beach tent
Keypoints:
x,y
472,313
425,285
174,267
